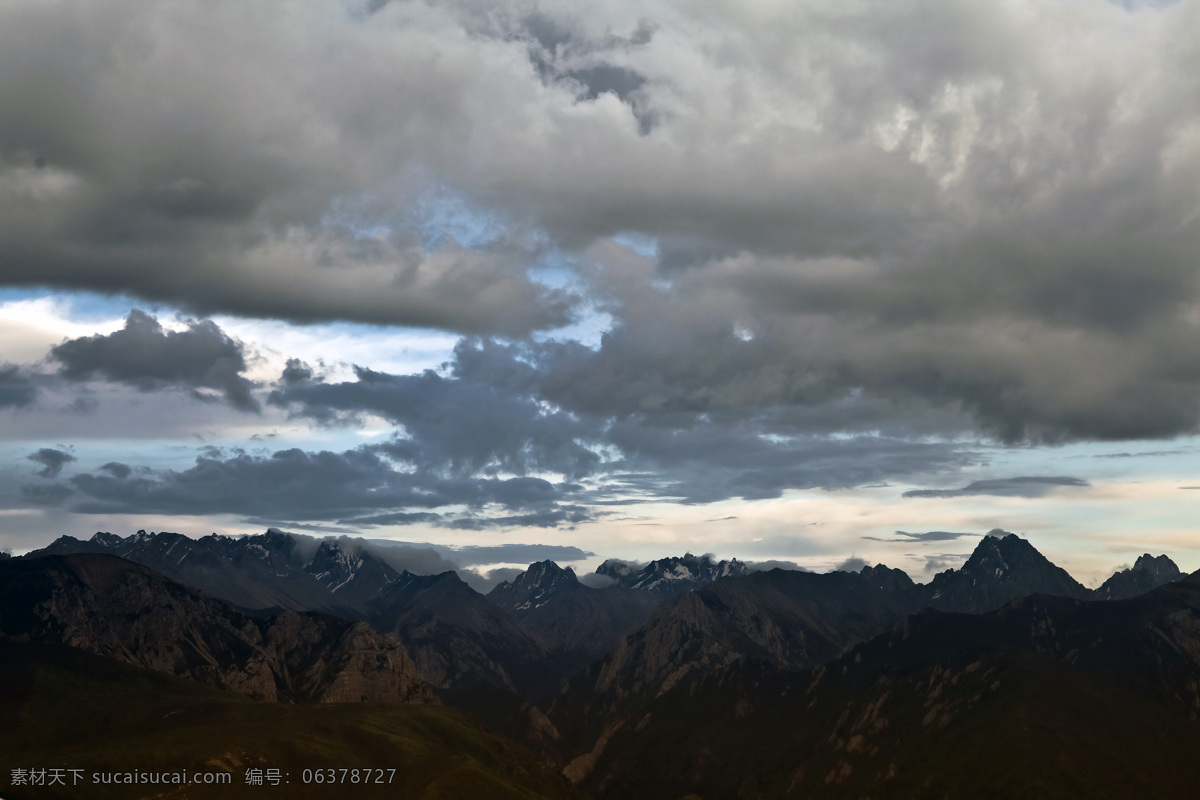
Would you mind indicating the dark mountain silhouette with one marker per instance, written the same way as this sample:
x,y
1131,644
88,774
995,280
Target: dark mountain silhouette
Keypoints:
x,y
1047,697
790,619
270,571
1002,568
577,624
112,607
1146,574
541,583
456,637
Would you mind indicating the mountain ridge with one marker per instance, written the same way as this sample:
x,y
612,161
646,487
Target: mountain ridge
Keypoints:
x,y
113,607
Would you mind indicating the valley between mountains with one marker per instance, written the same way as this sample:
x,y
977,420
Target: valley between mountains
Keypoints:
x,y
683,678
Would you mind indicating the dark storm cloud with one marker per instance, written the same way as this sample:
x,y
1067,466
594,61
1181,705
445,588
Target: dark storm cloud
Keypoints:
x,y
484,417
117,469
296,371
298,485
149,358
702,462
394,518
52,461
550,518
54,494
17,387
874,231
1004,487
209,171
677,451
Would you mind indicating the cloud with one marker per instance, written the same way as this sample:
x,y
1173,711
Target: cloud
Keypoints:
x,y
852,564
484,417
550,518
868,239
357,488
147,357
532,426
483,581
767,566
482,555
17,387
52,461
595,581
117,469
54,494
928,536
294,198
943,562
1004,487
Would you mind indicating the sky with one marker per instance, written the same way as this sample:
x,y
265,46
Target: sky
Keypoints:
x,y
818,282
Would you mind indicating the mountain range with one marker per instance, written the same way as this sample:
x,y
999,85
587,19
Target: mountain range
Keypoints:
x,y
734,681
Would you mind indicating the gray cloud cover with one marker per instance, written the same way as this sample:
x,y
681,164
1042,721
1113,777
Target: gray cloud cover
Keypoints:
x,y
17,387
922,204
146,356
870,234
52,461
1004,487
348,487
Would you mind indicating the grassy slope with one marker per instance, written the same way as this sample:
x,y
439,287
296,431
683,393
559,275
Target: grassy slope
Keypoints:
x,y
64,708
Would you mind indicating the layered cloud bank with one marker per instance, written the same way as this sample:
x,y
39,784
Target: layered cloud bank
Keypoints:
x,y
695,252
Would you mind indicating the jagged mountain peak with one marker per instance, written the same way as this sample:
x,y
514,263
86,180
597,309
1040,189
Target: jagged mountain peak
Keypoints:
x,y
536,586
1002,568
105,539
1161,567
1148,572
886,578
673,574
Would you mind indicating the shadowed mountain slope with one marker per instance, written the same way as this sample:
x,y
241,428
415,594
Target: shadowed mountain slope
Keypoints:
x,y
577,624
1048,697
63,708
109,606
793,620
270,571
456,637
1146,574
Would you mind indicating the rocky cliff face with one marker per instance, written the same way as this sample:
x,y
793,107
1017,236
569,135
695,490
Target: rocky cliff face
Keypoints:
x,y
112,607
